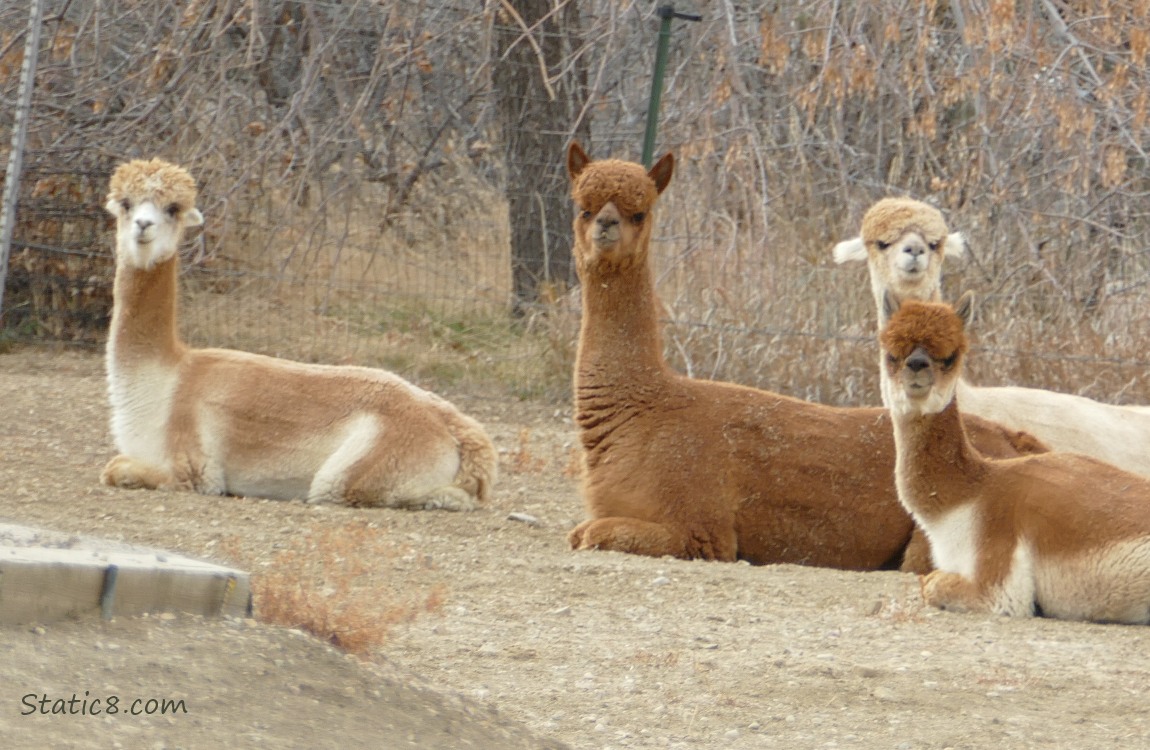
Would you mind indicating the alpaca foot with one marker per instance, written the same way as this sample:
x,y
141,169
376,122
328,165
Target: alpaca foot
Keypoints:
x,y
445,498
127,472
627,535
952,592
442,498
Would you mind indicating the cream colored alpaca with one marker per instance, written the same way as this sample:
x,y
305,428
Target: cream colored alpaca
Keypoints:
x,y
227,422
904,242
1060,534
699,469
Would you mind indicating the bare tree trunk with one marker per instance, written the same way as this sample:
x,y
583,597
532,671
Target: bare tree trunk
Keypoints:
x,y
538,112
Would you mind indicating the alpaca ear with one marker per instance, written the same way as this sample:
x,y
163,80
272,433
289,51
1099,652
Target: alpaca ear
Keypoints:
x,y
955,245
112,207
193,217
577,159
965,308
662,171
850,250
890,305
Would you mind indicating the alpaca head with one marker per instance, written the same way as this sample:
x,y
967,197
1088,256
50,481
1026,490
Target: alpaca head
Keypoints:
x,y
613,202
924,344
903,242
153,202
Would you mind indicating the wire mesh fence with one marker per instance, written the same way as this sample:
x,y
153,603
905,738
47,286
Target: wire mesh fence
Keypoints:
x,y
368,186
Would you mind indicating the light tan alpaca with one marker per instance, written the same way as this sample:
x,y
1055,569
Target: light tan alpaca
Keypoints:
x,y
904,242
699,469
1060,534
227,422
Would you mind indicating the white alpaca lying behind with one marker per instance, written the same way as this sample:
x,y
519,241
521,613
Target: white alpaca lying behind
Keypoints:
x,y
1060,534
218,421
904,243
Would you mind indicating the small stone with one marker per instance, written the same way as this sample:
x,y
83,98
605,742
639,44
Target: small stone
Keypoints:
x,y
661,581
526,518
884,693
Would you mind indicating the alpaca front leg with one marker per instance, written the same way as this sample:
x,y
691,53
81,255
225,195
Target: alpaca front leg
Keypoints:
x,y
953,592
127,472
631,535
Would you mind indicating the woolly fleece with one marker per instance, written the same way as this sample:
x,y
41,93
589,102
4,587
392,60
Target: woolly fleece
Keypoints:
x,y
164,183
888,219
934,326
624,182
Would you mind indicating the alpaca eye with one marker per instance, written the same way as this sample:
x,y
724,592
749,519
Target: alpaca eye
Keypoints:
x,y
881,245
173,209
934,246
586,214
126,204
892,359
949,361
638,218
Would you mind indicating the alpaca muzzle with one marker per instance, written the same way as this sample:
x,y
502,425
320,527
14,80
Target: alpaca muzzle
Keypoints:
x,y
912,258
917,373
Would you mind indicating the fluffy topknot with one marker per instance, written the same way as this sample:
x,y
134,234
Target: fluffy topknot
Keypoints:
x,y
886,220
625,183
154,179
934,326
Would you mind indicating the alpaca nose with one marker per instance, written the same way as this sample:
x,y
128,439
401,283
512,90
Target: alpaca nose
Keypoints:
x,y
917,361
144,223
606,222
913,249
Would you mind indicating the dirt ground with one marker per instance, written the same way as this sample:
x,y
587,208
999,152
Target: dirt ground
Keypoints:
x,y
534,646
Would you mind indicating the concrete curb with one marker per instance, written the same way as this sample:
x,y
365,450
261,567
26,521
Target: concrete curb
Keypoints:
x,y
46,576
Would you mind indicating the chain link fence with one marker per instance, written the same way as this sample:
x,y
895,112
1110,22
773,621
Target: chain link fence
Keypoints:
x,y
369,188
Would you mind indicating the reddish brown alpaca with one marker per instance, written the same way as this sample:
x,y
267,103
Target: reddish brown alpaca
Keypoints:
x,y
1060,533
699,469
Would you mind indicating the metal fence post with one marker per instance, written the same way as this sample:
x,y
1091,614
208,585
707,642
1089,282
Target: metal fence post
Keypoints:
x,y
667,13
19,133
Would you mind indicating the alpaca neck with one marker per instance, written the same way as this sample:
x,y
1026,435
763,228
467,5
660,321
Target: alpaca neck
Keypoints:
x,y
925,291
934,457
619,339
144,314
619,367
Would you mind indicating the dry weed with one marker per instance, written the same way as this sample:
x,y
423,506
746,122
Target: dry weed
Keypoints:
x,y
522,460
573,468
328,582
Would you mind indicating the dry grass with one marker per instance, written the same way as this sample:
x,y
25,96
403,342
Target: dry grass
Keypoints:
x,y
327,582
1024,123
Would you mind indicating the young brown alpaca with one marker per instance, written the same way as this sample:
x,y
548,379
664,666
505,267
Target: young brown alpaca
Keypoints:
x,y
1062,534
699,469
218,421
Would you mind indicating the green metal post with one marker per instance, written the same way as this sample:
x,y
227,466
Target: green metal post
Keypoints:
x,y
667,14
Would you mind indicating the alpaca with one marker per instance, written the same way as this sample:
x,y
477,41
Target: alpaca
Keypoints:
x,y
218,421
904,243
700,469
1060,534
